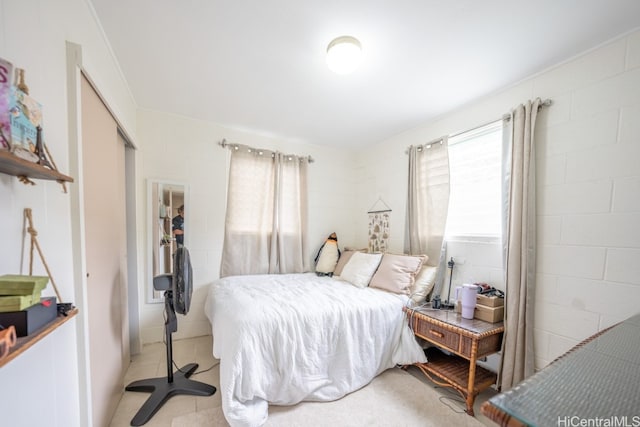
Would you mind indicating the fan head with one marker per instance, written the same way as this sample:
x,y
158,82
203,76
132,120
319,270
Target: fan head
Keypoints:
x,y
182,281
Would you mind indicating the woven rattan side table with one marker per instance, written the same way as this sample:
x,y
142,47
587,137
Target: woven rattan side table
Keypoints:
x,y
466,340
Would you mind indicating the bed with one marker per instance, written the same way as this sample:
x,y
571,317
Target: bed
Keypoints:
x,y
282,339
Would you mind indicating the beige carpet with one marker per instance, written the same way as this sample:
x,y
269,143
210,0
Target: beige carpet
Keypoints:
x,y
394,398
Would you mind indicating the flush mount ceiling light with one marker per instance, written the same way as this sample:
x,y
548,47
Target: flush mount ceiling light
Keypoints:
x,y
344,54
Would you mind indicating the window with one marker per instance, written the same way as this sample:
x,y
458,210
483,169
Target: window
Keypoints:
x,y
475,159
253,191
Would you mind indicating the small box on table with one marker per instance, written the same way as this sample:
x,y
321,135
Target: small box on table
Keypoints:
x,y
489,314
490,301
32,318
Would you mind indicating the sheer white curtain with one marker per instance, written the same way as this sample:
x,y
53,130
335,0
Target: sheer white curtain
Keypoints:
x,y
428,203
266,218
519,243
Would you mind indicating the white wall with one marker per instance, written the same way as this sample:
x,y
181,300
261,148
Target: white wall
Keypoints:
x,y
33,33
588,156
181,149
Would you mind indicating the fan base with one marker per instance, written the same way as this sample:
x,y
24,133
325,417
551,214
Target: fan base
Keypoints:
x,y
161,390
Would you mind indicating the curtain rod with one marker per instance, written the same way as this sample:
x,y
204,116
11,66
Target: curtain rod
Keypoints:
x,y
546,103
224,144
507,117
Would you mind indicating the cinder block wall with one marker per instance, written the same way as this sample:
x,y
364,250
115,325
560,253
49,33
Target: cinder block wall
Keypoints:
x,y
588,178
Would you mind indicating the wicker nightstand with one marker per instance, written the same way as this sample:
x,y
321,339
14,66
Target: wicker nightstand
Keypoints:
x,y
466,339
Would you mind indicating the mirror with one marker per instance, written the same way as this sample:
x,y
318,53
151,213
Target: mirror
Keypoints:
x,y
167,212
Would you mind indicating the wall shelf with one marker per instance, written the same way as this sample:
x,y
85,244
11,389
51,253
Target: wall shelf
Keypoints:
x,y
14,165
24,343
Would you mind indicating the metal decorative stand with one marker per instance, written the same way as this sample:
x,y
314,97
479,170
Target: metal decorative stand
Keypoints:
x,y
448,304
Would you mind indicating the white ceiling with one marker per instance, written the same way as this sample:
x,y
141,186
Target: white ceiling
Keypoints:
x,y
259,65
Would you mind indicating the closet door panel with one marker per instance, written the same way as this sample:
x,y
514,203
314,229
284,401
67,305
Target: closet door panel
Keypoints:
x,y
105,243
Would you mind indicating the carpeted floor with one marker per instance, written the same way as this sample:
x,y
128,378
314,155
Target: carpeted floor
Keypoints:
x,y
394,398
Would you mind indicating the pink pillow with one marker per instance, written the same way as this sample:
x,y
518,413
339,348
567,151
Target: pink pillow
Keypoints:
x,y
397,273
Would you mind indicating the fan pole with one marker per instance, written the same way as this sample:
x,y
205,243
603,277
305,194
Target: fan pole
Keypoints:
x,y
170,326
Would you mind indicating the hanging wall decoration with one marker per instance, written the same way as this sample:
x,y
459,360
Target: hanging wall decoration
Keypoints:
x,y
379,226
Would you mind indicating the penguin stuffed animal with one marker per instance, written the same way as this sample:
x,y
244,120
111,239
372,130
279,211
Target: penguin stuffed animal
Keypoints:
x,y
327,256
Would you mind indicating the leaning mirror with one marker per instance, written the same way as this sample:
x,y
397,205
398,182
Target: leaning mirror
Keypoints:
x,y
167,210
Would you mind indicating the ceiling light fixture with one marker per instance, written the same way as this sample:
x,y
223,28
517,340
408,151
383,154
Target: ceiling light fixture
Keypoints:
x,y
344,54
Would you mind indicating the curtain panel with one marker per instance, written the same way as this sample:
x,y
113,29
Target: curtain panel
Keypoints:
x,y
266,216
428,204
519,243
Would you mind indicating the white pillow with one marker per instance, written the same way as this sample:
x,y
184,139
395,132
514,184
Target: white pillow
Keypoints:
x,y
345,256
425,280
360,268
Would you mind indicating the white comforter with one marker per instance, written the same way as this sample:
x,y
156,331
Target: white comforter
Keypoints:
x,y
286,338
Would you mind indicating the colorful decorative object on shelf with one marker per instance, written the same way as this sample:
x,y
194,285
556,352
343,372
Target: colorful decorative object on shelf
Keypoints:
x,y
26,116
21,130
6,68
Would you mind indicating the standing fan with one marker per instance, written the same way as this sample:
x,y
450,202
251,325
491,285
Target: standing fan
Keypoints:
x,y
177,297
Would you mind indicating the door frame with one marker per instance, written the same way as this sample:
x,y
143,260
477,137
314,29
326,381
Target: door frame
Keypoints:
x,y
75,73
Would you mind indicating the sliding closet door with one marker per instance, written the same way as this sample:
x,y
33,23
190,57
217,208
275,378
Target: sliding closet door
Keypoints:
x,y
103,163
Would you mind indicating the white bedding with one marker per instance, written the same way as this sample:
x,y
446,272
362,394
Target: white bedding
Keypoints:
x,y
286,338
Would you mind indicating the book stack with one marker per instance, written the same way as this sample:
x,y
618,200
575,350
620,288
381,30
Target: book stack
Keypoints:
x,y
21,303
